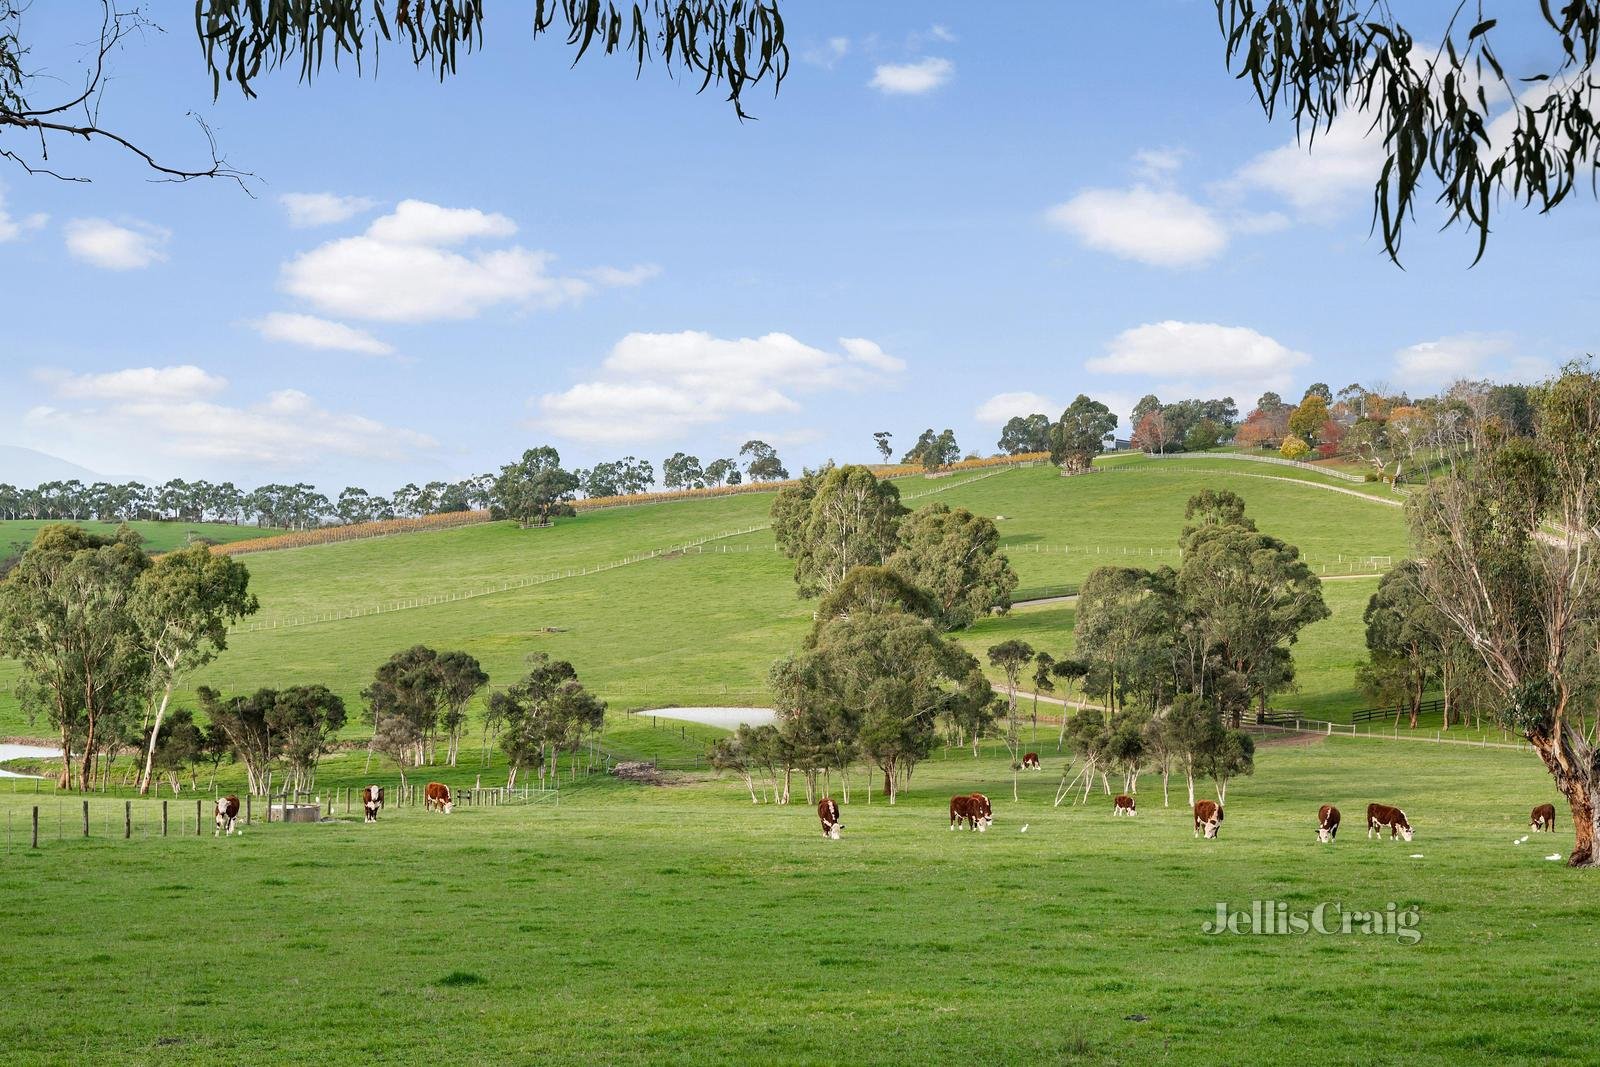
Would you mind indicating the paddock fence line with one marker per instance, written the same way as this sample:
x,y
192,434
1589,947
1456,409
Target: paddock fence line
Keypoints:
x,y
63,816
1248,458
1297,724
694,547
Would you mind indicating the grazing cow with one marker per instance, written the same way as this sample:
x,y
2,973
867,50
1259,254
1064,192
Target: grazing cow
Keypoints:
x,y
1123,804
974,809
437,797
371,801
227,814
1544,818
1327,823
1207,818
1030,762
828,812
1381,815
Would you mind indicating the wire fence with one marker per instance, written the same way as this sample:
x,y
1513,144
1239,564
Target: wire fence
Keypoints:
x,y
59,817
698,546
1275,460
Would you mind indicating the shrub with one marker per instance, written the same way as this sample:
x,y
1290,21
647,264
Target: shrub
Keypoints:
x,y
1294,447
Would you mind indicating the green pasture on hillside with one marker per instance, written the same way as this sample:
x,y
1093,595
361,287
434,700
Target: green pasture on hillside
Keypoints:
x,y
17,534
633,924
703,627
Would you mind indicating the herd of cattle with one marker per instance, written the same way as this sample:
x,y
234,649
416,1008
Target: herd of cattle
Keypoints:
x,y
971,810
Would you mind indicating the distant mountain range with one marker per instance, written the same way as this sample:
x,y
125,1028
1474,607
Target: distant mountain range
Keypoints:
x,y
26,468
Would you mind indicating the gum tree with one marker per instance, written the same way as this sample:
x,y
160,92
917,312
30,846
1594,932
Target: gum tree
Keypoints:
x,y
1508,543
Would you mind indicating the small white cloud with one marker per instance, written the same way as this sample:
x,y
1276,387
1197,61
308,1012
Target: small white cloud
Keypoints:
x,y
422,223
173,413
1322,175
623,277
941,33
1154,226
322,209
1158,165
1003,407
309,331
106,244
652,385
11,228
404,268
828,54
1201,359
136,383
1435,364
921,76
871,354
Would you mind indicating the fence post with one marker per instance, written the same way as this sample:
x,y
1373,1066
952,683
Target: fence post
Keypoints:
x,y
127,819
36,826
247,809
85,818
163,818
197,816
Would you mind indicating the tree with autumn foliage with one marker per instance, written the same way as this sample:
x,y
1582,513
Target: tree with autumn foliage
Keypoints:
x,y
1308,419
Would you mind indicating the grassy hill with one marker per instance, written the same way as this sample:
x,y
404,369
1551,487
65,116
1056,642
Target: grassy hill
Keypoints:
x,y
702,626
158,536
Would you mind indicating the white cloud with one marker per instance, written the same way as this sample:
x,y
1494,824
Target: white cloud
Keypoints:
x,y
322,209
870,354
1002,407
11,228
422,223
173,413
113,247
309,331
941,33
829,53
1435,364
1322,175
1154,226
136,383
1201,359
623,277
1158,164
921,76
401,269
652,385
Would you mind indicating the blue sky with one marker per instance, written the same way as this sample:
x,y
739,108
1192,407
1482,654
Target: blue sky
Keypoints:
x,y
944,218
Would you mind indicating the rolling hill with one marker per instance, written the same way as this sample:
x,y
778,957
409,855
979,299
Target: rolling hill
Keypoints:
x,y
651,623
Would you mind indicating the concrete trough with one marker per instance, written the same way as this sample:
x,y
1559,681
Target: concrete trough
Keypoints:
x,y
297,813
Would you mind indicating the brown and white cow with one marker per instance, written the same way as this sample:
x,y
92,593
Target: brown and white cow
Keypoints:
x,y
1030,762
371,801
1544,818
828,812
972,808
227,814
1207,818
1382,815
1327,823
437,797
1123,804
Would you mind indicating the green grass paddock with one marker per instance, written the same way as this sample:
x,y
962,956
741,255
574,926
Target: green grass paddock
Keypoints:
x,y
633,924
158,536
